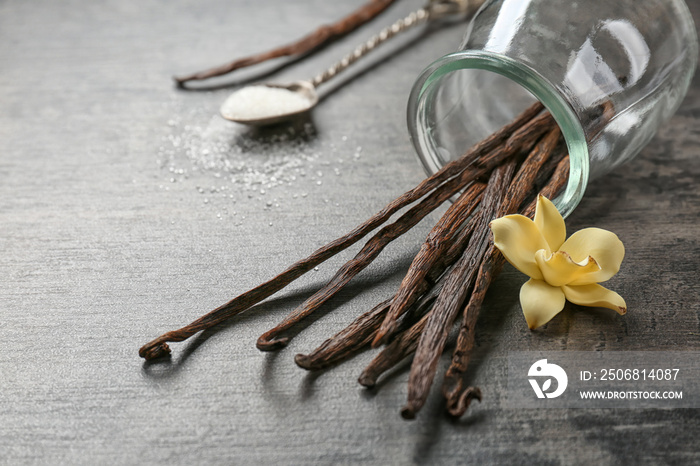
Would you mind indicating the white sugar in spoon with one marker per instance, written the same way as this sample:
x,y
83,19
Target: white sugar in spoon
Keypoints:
x,y
266,104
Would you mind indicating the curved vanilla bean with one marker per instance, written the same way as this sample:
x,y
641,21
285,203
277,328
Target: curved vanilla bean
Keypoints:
x,y
271,341
306,44
465,399
434,337
454,389
521,139
158,347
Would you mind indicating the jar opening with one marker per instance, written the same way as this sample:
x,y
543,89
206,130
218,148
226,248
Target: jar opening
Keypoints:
x,y
465,96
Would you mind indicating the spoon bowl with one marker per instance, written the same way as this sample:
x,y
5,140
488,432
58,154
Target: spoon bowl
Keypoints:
x,y
268,103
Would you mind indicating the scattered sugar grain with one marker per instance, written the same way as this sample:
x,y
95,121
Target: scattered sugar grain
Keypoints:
x,y
211,145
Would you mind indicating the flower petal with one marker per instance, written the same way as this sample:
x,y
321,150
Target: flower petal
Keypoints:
x,y
540,302
604,246
595,296
559,268
550,222
517,237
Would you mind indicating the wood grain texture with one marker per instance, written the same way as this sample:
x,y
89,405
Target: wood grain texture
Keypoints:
x,y
101,251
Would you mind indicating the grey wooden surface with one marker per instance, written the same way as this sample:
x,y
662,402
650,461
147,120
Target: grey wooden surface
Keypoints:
x,y
128,208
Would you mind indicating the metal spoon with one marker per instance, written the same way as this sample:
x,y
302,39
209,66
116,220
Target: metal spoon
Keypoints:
x,y
290,100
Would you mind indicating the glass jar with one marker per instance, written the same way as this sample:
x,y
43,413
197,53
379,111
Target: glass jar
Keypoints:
x,y
610,72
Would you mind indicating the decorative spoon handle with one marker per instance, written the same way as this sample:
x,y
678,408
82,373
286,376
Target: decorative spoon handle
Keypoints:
x,y
433,10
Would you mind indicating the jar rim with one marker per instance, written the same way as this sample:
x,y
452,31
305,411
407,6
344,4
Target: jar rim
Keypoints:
x,y
530,80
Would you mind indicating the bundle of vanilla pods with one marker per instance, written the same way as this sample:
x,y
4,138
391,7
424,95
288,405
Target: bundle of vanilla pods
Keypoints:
x,y
447,279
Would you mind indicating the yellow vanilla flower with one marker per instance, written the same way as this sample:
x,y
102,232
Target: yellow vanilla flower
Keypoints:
x,y
559,268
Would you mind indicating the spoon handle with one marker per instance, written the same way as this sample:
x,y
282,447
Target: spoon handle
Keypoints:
x,y
434,9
